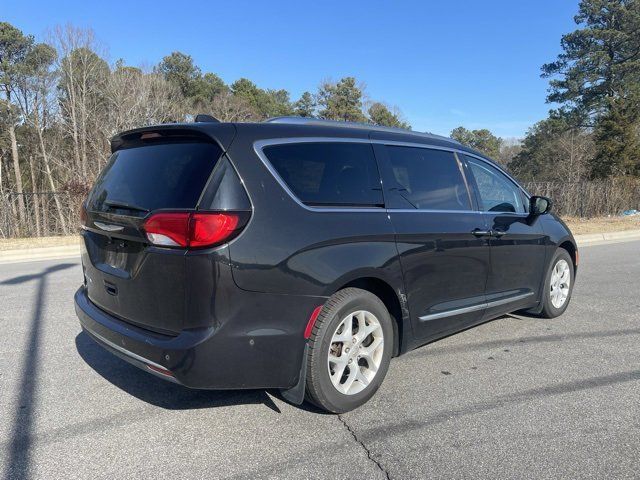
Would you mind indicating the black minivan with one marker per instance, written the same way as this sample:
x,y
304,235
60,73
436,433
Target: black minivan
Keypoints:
x,y
303,254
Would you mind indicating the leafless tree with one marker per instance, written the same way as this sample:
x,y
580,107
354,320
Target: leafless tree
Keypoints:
x,y
136,99
509,148
35,87
575,147
83,78
11,120
228,108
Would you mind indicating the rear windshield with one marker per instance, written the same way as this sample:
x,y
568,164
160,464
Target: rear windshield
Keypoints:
x,y
151,177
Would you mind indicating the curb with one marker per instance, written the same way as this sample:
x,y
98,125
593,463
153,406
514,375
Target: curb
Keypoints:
x,y
588,239
39,253
73,251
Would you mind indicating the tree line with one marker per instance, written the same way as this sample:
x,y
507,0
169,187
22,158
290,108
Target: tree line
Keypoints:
x,y
594,133
61,101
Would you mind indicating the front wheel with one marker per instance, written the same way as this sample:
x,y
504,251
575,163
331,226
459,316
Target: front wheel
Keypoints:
x,y
349,350
558,285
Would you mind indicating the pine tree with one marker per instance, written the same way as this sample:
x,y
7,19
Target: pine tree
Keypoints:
x,y
596,79
305,106
379,114
341,101
482,140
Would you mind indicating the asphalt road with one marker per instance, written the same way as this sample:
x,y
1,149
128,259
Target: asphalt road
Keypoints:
x,y
516,397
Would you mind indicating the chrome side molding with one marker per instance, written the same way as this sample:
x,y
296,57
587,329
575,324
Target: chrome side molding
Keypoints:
x,y
474,308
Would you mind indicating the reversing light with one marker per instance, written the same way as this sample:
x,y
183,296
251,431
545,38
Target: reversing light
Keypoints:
x,y
191,229
168,229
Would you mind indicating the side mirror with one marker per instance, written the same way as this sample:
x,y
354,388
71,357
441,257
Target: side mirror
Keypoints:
x,y
539,205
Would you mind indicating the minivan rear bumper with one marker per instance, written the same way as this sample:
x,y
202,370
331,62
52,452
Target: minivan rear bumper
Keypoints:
x,y
147,350
205,358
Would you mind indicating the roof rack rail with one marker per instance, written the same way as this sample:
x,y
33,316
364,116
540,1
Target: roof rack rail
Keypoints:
x,y
203,118
292,120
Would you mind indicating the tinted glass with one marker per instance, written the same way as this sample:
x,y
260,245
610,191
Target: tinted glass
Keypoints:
x,y
155,176
225,190
341,174
497,193
429,179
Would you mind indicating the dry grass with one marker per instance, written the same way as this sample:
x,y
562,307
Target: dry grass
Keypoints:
x,y
18,243
602,224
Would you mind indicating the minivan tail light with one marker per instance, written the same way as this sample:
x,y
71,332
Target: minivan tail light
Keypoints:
x,y
191,229
208,229
168,229
84,218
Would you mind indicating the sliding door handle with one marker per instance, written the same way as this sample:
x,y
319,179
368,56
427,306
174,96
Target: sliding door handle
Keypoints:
x,y
498,233
481,233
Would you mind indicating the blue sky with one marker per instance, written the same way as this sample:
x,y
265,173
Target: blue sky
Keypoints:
x,y
444,64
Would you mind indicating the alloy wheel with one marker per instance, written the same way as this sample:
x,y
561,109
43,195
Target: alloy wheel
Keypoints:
x,y
560,283
355,352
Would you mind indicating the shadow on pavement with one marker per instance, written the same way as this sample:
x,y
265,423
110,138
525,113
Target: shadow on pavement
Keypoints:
x,y
437,349
158,392
17,466
406,426
36,276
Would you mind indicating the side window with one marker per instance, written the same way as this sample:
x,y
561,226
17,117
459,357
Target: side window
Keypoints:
x,y
429,179
497,193
328,173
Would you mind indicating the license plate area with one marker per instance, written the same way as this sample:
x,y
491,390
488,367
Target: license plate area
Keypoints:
x,y
140,285
115,256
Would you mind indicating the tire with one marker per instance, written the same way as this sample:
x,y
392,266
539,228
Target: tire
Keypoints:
x,y
355,357
551,306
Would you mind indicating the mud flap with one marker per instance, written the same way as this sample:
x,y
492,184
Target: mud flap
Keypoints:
x,y
295,394
535,310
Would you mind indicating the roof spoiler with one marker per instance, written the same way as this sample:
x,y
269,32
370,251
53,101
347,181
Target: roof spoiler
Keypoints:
x,y
221,133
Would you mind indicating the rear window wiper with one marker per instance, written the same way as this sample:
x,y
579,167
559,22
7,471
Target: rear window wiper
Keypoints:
x,y
125,206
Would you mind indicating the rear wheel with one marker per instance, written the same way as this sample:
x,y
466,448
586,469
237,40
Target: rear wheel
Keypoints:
x,y
349,350
558,285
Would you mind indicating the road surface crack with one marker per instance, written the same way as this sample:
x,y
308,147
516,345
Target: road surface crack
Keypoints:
x,y
364,447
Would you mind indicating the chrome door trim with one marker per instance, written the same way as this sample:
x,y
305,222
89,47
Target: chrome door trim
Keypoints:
x,y
430,210
474,308
504,301
258,146
450,313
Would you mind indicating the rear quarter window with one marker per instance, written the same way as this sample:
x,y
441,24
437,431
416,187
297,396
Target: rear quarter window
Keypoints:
x,y
155,176
328,173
